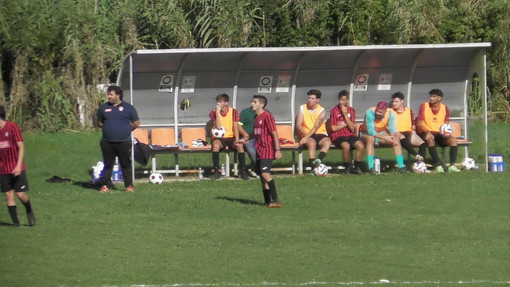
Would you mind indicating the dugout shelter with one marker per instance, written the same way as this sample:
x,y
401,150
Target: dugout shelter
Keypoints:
x,y
156,81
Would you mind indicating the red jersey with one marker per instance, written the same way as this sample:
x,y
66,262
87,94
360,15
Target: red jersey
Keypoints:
x,y
263,128
9,138
336,117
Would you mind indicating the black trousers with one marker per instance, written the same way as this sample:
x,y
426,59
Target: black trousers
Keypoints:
x,y
122,150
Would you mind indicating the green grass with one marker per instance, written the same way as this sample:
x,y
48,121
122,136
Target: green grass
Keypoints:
x,y
429,230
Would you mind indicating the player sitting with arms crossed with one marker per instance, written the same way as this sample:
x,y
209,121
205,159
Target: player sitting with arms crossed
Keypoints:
x,y
379,128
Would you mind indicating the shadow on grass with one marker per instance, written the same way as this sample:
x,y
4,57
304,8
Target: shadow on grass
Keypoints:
x,y
5,224
240,200
86,184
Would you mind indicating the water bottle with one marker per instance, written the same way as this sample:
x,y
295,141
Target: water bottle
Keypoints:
x,y
223,169
115,173
200,173
377,165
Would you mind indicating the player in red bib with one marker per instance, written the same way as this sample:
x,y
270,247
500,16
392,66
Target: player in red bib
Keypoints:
x,y
267,145
13,179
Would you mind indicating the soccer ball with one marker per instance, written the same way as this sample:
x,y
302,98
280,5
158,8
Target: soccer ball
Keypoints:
x,y
218,133
321,170
468,163
419,167
156,178
446,129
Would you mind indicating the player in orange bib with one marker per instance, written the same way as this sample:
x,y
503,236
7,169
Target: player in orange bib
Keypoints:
x,y
311,126
431,116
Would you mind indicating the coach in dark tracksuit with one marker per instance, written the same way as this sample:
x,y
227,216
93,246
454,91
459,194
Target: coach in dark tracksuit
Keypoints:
x,y
117,119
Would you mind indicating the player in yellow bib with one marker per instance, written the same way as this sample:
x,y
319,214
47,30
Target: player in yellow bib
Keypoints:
x,y
404,120
431,116
311,126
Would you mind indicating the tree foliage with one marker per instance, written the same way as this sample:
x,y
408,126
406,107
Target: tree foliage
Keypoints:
x,y
53,54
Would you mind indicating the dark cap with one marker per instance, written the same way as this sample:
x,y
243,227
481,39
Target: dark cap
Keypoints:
x,y
382,105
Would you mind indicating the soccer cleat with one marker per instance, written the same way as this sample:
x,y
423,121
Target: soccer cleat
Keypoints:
x,y
15,224
253,174
104,189
275,204
130,189
453,168
356,170
216,175
244,176
439,169
317,162
31,218
402,169
346,170
372,171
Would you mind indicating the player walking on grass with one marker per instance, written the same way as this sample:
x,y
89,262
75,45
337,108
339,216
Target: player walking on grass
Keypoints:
x,y
267,145
118,119
13,179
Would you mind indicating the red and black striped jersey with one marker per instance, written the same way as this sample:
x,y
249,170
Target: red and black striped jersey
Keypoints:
x,y
10,135
263,128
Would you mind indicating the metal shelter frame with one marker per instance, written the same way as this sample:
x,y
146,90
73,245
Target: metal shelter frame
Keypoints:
x,y
156,81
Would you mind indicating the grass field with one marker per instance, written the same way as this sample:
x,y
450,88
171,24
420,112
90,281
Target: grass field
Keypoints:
x,y
412,230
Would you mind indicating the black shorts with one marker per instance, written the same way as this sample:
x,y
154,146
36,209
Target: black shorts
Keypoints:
x,y
350,140
10,182
438,138
226,142
318,137
263,166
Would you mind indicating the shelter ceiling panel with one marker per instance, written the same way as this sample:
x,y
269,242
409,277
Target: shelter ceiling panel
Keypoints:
x,y
153,63
387,59
329,60
433,58
212,62
271,61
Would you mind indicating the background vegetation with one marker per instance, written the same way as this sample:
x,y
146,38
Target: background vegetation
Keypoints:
x,y
53,54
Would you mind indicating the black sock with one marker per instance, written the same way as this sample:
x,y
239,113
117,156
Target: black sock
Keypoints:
x,y
267,196
14,214
422,150
347,165
242,162
322,155
433,154
408,146
358,164
272,191
28,206
310,162
453,154
216,161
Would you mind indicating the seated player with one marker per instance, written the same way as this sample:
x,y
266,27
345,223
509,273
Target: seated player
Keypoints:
x,y
405,127
379,128
431,116
224,116
310,123
342,128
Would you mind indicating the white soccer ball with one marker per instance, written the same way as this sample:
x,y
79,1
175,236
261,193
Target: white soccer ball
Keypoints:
x,y
156,178
419,167
321,170
446,129
218,133
468,163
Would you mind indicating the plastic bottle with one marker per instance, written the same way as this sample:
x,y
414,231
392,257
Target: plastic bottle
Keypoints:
x,y
377,165
223,169
115,173
200,173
